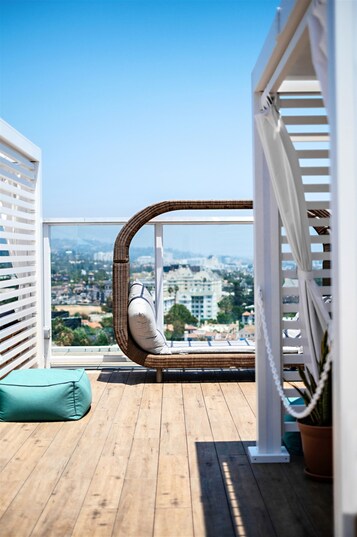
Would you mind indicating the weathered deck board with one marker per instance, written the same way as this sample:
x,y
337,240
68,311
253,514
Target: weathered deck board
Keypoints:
x,y
155,460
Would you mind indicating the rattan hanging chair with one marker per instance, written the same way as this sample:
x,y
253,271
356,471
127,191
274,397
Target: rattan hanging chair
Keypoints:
x,y
121,276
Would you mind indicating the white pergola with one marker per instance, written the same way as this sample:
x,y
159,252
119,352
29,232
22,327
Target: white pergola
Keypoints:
x,y
319,108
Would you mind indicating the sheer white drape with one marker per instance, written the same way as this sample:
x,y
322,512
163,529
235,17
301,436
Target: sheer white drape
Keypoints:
x,y
317,24
287,185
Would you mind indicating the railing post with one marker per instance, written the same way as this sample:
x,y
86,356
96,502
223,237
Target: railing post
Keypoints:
x,y
267,277
47,333
159,275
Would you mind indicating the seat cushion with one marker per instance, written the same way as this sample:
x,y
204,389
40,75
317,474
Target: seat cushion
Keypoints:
x,y
142,322
45,395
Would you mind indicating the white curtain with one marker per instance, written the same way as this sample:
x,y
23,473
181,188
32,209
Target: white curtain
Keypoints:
x,y
317,23
287,184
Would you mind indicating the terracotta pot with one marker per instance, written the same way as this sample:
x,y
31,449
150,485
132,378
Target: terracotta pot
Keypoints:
x,y
317,447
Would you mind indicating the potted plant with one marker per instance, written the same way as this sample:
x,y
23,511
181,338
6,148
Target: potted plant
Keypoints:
x,y
316,429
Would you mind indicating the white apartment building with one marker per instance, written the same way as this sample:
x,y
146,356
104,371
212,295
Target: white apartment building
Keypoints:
x,y
199,291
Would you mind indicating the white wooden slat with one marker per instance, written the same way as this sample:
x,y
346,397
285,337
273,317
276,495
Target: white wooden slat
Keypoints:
x,y
9,247
25,357
10,306
313,153
15,213
17,259
21,314
17,270
315,239
290,308
290,291
14,236
291,359
291,325
15,155
316,187
318,273
316,256
291,392
16,327
294,291
291,426
18,190
319,222
305,120
315,170
301,103
310,137
16,168
318,205
14,200
6,356
291,376
11,282
25,334
321,239
17,225
13,293
294,341
17,180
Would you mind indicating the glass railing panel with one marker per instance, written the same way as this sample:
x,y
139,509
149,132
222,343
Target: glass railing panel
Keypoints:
x,y
81,285
205,291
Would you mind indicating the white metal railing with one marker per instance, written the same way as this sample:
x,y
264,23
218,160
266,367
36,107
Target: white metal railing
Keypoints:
x,y
159,224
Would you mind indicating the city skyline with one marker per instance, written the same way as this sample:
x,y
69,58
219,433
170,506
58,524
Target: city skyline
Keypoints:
x,y
185,241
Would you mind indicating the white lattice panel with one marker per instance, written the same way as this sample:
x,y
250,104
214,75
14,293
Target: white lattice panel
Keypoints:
x,y
306,121
19,259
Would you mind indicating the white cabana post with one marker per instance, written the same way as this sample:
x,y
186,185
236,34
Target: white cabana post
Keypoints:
x,y
317,24
287,185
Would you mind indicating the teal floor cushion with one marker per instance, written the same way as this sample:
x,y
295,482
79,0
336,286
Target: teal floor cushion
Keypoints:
x,y
45,395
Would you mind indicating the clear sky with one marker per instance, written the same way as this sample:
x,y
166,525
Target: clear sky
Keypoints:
x,y
133,101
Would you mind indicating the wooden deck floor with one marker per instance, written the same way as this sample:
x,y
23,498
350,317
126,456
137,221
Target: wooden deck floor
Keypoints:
x,y
160,460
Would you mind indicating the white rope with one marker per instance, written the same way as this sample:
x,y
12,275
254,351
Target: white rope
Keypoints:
x,y
322,380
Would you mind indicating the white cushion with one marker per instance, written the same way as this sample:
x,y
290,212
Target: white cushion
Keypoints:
x,y
142,323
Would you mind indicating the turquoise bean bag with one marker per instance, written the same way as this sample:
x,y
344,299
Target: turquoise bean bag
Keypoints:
x,y
45,395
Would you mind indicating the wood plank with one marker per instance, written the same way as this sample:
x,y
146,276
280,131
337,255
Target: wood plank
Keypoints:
x,y
249,513
39,487
210,509
60,514
173,487
285,511
12,437
174,522
135,514
241,412
222,425
99,509
24,461
249,389
316,498
173,514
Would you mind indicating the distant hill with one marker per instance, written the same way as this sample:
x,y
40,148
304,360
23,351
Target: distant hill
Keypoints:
x,y
85,246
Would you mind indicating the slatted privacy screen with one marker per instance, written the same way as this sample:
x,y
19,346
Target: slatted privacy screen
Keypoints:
x,y
306,121
18,255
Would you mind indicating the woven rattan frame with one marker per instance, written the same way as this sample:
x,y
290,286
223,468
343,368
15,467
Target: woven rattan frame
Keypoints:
x,y
121,275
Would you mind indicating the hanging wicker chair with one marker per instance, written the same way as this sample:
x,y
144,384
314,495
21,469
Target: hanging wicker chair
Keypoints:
x,y
121,274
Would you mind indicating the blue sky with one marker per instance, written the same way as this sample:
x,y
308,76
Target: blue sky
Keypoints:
x,y
133,102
